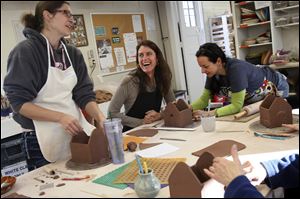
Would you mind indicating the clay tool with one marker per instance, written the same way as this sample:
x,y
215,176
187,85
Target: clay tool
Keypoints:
x,y
172,139
277,134
270,136
145,167
248,110
76,179
139,163
37,179
209,101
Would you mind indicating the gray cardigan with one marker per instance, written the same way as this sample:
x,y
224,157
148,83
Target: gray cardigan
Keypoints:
x,y
126,95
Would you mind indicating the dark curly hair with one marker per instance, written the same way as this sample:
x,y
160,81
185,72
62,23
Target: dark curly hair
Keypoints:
x,y
212,51
162,74
36,21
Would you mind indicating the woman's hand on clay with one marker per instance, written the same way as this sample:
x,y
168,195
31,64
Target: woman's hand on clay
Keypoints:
x,y
70,124
151,116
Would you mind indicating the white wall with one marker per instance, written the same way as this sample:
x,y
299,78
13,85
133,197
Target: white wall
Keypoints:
x,y
211,9
11,11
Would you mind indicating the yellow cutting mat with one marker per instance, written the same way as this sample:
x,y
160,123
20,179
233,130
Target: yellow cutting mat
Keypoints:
x,y
162,168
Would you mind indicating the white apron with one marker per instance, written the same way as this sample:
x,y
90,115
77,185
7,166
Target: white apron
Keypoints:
x,y
56,95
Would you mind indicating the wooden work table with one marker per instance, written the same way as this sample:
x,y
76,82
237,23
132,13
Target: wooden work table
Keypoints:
x,y
257,148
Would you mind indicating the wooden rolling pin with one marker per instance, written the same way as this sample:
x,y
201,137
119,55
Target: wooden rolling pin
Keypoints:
x,y
248,110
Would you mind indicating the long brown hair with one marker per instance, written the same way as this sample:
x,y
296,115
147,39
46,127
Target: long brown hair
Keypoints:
x,y
36,21
162,74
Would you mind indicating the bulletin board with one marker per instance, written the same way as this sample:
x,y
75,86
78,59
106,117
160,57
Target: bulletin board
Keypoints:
x,y
117,36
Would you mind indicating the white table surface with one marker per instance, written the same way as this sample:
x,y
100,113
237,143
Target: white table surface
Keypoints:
x,y
257,148
9,127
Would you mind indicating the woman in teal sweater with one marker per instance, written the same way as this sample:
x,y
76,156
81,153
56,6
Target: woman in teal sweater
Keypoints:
x,y
239,82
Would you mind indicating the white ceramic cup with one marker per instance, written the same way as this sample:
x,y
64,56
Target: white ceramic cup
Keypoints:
x,y
208,123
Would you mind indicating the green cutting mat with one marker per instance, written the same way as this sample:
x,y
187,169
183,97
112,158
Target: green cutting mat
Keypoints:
x,y
108,178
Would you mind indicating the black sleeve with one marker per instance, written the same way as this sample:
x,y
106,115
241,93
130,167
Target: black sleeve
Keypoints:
x,y
83,91
24,77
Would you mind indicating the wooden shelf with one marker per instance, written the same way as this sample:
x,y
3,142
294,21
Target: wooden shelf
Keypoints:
x,y
255,45
243,3
286,8
254,24
288,65
217,32
288,25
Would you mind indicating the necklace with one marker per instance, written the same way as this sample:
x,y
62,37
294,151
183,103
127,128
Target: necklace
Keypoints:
x,y
59,65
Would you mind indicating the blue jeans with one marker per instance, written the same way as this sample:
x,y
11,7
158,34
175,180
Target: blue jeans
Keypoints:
x,y
282,85
35,158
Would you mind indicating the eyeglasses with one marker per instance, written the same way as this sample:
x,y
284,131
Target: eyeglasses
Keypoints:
x,y
67,13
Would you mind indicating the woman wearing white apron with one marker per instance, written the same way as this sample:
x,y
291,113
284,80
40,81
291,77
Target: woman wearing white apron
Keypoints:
x,y
47,82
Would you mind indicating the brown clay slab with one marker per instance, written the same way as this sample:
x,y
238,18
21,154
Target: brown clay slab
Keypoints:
x,y
143,133
220,149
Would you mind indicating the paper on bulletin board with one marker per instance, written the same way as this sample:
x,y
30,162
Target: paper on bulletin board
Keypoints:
x,y
106,61
105,53
130,42
137,23
100,31
120,56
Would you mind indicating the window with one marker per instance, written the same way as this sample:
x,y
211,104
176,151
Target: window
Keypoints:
x,y
189,13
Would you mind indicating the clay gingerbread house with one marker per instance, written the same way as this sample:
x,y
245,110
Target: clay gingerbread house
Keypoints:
x,y
90,149
187,182
177,114
275,111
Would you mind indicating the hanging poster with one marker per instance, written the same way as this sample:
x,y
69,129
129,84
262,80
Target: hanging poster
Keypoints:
x,y
120,56
130,42
104,50
78,36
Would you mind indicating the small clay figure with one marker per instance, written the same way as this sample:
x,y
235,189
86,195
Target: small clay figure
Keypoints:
x,y
60,184
131,146
55,177
42,193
